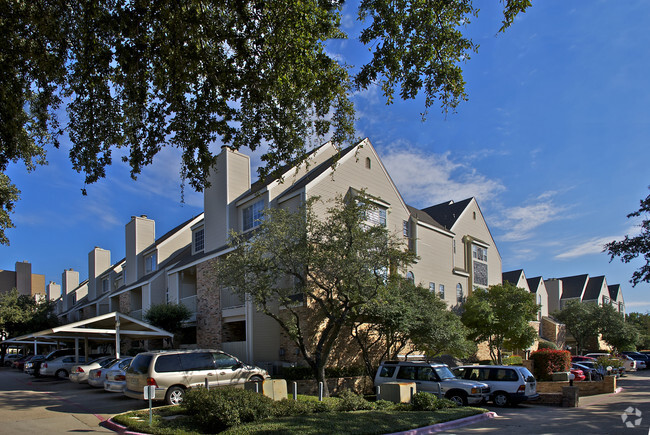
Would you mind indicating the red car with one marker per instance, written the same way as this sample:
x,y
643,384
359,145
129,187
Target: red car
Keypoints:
x,y
578,375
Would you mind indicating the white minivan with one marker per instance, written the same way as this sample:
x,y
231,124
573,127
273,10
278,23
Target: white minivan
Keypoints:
x,y
508,384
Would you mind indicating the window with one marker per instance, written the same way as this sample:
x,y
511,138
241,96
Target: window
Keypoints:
x,y
479,267
224,361
198,240
459,293
150,263
197,361
406,229
167,364
407,372
368,163
105,285
432,287
253,215
376,216
386,372
441,291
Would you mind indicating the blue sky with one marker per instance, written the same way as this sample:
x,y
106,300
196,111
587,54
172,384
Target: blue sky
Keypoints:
x,y
553,142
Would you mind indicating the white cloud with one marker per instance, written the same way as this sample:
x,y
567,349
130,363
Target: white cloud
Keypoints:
x,y
520,222
592,246
425,179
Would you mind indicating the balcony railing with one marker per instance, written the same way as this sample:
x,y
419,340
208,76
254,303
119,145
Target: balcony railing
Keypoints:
x,y
190,303
230,299
235,348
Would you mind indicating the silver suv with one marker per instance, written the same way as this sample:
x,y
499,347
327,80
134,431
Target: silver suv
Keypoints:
x,y
433,378
509,384
172,372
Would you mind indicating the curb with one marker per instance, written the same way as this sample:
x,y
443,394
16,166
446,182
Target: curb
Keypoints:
x,y
115,427
448,425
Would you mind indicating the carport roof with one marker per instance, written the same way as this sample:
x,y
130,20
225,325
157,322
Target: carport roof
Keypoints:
x,y
104,327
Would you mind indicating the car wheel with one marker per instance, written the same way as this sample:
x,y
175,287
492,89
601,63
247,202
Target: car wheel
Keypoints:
x,y
256,379
61,374
174,396
501,399
458,398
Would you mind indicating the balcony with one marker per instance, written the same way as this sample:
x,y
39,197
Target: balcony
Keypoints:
x,y
235,348
190,303
230,299
136,314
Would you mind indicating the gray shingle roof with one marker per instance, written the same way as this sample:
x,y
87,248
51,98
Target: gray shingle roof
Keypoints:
x,y
512,277
447,213
573,286
424,217
594,286
534,283
614,291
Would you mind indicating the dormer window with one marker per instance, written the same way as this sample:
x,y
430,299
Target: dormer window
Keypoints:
x,y
198,240
252,215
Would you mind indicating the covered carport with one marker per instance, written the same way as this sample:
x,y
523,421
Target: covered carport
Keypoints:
x,y
111,327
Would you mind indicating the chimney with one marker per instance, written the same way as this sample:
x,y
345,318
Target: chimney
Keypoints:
x,y
53,291
99,260
140,234
69,282
229,178
24,277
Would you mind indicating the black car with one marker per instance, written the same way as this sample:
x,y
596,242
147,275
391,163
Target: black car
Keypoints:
x,y
33,366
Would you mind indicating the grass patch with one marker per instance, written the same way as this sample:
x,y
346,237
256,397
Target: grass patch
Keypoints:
x,y
174,420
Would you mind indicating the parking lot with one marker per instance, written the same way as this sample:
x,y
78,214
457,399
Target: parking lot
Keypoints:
x,y
49,405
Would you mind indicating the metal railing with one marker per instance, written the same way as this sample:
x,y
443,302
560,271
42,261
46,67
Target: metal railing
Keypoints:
x,y
230,299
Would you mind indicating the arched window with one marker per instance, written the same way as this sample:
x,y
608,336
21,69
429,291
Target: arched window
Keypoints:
x,y
410,277
368,163
459,293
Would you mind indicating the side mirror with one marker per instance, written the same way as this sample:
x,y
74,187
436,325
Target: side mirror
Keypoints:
x,y
239,365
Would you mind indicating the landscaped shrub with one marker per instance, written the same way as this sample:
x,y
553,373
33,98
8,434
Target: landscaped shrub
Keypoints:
x,y
546,345
306,373
422,401
605,361
514,360
548,361
217,409
352,402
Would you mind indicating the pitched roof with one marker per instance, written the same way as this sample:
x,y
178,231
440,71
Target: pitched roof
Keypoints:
x,y
424,217
614,291
534,283
592,292
447,213
317,171
573,286
512,277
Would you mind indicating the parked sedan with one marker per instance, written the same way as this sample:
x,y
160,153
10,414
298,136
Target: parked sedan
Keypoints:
x,y
79,373
116,379
33,366
577,374
11,357
60,367
590,372
97,377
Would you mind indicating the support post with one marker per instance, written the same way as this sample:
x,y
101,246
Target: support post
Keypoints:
x,y
295,391
117,335
320,391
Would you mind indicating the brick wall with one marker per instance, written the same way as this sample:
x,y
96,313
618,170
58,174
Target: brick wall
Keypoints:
x,y
586,388
208,307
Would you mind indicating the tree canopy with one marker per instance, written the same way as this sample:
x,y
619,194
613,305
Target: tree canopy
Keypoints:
x,y
632,247
22,314
581,321
145,74
314,275
396,322
500,316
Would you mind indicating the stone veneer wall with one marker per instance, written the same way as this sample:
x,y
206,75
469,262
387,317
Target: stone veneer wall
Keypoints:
x,y
586,388
125,303
208,307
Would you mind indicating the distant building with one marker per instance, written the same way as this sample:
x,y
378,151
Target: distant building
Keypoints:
x,y
22,279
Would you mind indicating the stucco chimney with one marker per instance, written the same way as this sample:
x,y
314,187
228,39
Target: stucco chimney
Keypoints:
x,y
99,260
229,179
140,234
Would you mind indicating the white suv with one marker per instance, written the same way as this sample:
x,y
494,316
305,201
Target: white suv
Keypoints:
x,y
509,384
433,378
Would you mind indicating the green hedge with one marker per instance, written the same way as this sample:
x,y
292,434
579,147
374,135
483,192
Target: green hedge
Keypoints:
x,y
546,345
514,360
548,361
220,408
306,373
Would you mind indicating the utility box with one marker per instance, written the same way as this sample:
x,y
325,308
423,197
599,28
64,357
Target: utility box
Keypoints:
x,y
276,389
560,376
397,392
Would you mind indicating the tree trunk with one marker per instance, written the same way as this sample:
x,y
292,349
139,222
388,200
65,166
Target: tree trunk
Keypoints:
x,y
319,375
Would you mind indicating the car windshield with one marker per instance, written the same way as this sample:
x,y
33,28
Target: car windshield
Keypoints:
x,y
444,373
